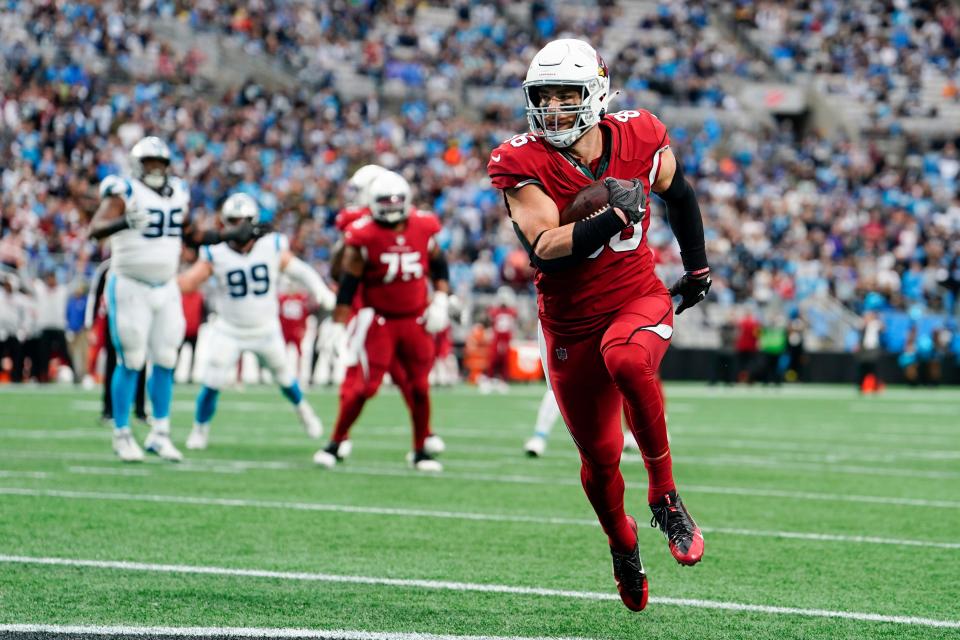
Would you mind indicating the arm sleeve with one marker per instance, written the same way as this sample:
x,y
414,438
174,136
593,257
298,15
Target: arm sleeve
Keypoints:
x,y
303,273
683,212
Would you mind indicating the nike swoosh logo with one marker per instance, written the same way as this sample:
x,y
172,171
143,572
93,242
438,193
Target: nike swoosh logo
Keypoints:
x,y
665,331
495,158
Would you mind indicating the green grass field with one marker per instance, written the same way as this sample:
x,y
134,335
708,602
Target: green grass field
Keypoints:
x,y
826,515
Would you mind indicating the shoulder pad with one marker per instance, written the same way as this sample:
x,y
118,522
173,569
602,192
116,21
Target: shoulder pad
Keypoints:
x,y
116,186
641,133
516,160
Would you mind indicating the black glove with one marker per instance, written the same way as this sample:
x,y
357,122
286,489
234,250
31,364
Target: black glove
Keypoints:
x,y
632,202
691,288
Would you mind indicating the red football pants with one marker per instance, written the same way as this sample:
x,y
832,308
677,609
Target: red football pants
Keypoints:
x,y
592,376
404,348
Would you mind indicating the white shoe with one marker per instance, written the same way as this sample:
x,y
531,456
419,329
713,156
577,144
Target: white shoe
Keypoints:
x,y
629,442
422,461
434,445
329,456
88,383
126,447
198,436
311,423
535,446
159,443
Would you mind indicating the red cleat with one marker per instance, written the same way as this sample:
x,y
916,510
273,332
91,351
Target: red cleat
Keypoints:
x,y
686,541
631,579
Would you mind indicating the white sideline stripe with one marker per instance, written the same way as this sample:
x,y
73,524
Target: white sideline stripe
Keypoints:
x,y
452,515
108,471
736,491
195,464
824,463
24,474
247,632
468,586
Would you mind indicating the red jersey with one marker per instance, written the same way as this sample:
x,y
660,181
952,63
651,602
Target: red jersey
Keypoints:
x,y
397,262
349,215
503,320
346,217
294,311
578,299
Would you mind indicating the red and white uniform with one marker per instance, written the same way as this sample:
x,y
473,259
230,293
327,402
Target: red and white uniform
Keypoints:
x,y
392,335
503,322
607,320
349,215
397,263
582,298
294,311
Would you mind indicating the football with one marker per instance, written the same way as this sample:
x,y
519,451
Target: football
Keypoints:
x,y
590,201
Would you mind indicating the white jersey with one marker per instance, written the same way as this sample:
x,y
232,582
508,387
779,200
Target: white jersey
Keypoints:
x,y
151,254
246,291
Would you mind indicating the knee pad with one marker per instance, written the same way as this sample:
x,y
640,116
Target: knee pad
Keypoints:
x,y
132,358
629,360
166,357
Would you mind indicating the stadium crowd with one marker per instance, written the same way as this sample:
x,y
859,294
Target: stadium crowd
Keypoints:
x,y
787,215
880,53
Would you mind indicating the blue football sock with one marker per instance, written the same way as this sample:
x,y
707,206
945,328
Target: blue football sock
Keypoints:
x,y
293,392
206,405
123,387
160,386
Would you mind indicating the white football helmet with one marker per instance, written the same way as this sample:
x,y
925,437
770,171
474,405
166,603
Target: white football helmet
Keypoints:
x,y
506,297
390,198
358,184
566,62
150,147
239,207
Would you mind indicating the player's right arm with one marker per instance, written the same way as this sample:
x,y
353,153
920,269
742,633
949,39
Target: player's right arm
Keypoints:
x,y
191,279
336,260
352,266
111,216
550,245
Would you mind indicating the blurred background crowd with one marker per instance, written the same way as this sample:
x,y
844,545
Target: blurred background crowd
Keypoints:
x,y
831,226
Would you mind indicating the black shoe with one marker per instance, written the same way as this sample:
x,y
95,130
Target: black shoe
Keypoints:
x,y
423,461
332,454
631,579
683,534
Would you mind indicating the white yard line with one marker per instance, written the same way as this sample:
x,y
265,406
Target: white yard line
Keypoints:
x,y
110,471
212,465
244,632
429,513
24,474
472,587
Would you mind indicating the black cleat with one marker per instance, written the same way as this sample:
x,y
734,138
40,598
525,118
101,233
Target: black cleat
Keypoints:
x,y
683,534
628,572
423,461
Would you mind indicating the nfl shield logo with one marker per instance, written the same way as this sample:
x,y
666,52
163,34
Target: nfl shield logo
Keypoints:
x,y
561,353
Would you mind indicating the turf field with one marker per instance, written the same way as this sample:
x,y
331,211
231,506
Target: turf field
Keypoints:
x,y
826,515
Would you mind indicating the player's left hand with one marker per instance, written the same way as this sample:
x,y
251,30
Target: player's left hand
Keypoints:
x,y
632,202
692,287
437,316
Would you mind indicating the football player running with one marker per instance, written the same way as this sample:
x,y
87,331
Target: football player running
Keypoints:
x,y
248,314
607,319
146,218
358,206
390,253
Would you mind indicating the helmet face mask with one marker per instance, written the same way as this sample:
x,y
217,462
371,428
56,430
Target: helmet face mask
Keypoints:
x,y
150,162
565,64
389,199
